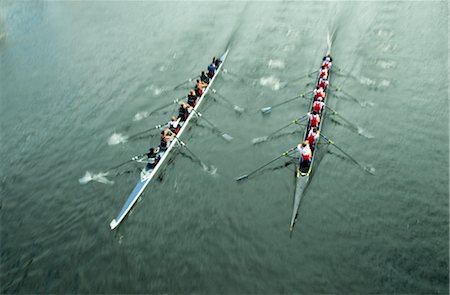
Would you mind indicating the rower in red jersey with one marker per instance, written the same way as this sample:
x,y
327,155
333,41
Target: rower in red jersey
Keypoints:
x,y
318,105
314,119
323,72
318,92
313,136
323,83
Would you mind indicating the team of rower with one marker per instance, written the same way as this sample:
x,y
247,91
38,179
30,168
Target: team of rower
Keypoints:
x,y
306,148
175,123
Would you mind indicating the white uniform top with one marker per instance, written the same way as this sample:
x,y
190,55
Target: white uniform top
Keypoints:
x,y
174,124
304,151
320,91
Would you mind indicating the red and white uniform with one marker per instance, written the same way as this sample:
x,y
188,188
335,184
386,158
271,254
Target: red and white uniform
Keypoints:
x,y
318,105
323,83
323,73
305,152
327,64
314,120
319,93
312,137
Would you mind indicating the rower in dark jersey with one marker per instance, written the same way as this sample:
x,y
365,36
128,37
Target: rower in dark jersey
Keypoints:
x,y
204,78
153,158
184,111
192,98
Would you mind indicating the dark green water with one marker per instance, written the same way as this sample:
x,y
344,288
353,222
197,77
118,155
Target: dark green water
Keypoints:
x,y
74,73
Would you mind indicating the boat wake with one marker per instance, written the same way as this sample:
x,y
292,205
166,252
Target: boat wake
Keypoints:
x,y
117,138
141,115
272,82
99,177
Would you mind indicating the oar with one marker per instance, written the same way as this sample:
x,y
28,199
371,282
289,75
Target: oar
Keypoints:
x,y
267,110
187,81
147,130
101,177
224,135
235,107
265,138
134,158
350,96
335,68
204,166
359,130
302,77
367,169
285,154
167,105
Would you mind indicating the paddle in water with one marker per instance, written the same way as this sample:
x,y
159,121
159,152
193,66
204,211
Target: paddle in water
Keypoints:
x,y
237,108
271,135
224,135
367,169
267,110
101,176
284,154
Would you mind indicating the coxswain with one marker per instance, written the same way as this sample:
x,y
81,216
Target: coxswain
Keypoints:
x,y
323,72
204,78
216,61
211,70
318,92
153,158
313,136
328,58
318,105
323,83
166,137
174,124
314,119
305,154
183,112
192,98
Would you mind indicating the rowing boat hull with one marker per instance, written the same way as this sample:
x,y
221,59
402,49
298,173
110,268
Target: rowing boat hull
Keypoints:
x,y
165,156
303,176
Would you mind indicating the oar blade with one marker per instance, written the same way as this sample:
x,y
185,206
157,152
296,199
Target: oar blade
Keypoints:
x,y
227,137
266,110
242,177
259,139
238,109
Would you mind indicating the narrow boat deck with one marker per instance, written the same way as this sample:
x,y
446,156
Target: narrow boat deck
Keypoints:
x,y
148,175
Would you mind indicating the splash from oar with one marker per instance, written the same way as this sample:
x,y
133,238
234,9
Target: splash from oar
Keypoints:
x,y
99,177
141,115
117,138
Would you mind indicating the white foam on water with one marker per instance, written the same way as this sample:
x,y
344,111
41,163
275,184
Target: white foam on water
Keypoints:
x,y
276,64
117,138
155,90
385,83
141,115
99,177
367,81
386,64
384,33
272,82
